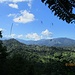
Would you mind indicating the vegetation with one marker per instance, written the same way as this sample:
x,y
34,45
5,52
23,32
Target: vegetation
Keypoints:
x,y
38,60
62,8
0,34
19,59
3,55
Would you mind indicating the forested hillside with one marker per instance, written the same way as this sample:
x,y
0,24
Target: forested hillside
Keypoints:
x,y
25,59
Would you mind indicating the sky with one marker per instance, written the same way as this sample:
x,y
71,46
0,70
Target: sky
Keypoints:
x,y
32,20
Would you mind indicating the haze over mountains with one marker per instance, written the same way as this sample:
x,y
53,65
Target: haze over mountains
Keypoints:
x,y
58,42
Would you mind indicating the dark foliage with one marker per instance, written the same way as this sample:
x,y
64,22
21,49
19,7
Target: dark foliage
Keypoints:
x,y
0,34
3,55
62,8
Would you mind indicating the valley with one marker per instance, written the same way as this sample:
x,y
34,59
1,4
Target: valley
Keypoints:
x,y
38,59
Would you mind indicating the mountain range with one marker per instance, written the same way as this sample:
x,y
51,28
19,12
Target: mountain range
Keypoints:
x,y
57,42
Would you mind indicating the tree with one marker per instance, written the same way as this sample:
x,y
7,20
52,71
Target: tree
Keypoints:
x,y
3,55
0,34
62,8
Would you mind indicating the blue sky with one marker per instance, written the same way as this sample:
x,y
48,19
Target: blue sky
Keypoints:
x,y
32,20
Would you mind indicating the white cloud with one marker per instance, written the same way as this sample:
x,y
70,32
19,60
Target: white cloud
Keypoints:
x,y
20,36
16,1
13,35
30,3
10,36
33,36
1,29
46,33
14,6
25,17
13,15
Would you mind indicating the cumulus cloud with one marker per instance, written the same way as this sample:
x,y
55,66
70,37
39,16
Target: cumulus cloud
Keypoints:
x,y
13,35
14,6
46,33
20,36
1,29
30,36
10,36
33,36
25,17
16,1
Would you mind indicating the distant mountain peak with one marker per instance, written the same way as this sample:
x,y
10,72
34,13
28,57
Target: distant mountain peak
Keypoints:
x,y
60,42
11,41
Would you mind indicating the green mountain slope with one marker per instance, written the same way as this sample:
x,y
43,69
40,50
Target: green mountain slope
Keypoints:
x,y
39,53
38,60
